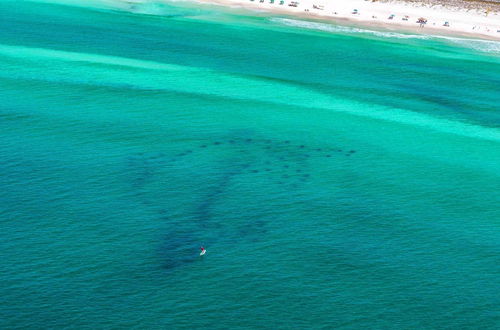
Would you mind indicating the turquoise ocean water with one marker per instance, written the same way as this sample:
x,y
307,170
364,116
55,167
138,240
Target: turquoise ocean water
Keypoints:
x,y
339,177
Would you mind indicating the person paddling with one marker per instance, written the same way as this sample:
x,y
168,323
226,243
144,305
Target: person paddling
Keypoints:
x,y
203,251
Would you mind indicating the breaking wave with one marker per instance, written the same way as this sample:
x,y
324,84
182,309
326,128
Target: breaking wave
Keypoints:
x,y
344,29
487,46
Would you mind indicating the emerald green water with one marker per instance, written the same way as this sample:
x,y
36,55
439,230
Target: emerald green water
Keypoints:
x,y
338,177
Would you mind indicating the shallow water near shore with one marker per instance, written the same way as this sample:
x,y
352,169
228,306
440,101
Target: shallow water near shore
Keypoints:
x,y
337,178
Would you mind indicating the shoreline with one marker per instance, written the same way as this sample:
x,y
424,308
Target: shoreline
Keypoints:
x,y
361,13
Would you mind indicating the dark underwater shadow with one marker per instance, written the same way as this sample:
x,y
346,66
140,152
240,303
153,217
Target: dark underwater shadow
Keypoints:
x,y
283,163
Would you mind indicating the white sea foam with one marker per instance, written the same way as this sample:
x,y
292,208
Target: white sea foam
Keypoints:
x,y
488,46
344,29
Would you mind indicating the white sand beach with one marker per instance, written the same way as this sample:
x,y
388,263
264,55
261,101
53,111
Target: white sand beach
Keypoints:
x,y
478,19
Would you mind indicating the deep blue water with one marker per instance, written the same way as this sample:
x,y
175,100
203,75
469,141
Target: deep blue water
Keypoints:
x,y
338,177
